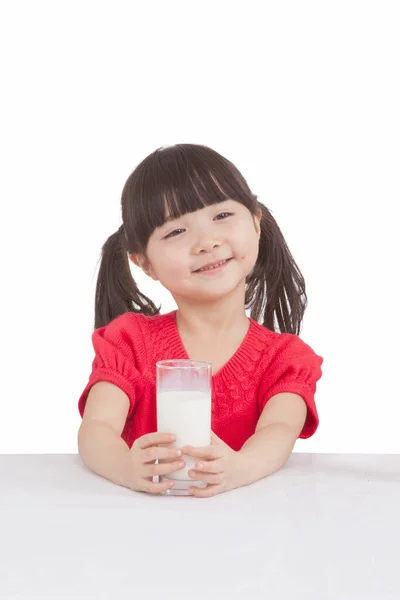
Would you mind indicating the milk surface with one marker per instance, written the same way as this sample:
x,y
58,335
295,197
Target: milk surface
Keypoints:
x,y
188,416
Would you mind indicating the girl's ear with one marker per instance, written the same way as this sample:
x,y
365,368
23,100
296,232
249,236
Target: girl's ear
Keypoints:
x,y
257,221
136,259
141,261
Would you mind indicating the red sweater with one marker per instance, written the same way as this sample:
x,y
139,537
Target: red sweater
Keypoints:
x,y
265,364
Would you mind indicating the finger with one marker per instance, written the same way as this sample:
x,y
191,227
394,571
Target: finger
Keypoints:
x,y
151,439
207,492
157,488
206,477
163,468
159,452
210,466
201,452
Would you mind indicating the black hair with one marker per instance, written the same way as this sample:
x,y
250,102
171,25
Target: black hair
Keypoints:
x,y
181,179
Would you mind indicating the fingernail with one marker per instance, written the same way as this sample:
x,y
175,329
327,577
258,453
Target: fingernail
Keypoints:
x,y
172,437
178,453
199,466
181,464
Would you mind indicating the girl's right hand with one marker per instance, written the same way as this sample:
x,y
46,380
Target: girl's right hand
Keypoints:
x,y
138,467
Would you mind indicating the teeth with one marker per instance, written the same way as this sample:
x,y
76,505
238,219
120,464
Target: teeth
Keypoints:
x,y
214,266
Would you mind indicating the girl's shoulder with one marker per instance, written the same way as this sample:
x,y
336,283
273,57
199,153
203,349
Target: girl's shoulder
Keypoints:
x,y
137,332
281,344
131,336
131,321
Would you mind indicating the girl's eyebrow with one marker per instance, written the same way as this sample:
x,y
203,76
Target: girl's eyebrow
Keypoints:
x,y
170,218
167,221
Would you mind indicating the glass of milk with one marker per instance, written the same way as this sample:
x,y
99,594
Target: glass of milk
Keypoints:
x,y
184,408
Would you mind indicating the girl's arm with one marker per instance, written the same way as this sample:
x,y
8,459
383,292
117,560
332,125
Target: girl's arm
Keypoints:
x,y
99,438
278,428
104,451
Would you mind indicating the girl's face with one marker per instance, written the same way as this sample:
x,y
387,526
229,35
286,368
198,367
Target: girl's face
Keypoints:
x,y
226,231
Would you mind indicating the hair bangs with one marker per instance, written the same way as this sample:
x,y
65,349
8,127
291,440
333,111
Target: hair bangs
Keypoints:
x,y
181,179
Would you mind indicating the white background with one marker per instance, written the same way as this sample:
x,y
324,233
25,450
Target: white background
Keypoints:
x,y
302,96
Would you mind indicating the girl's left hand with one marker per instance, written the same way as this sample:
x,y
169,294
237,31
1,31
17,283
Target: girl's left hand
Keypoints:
x,y
218,467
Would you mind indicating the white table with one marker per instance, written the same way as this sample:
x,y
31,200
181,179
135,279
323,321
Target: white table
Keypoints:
x,y
323,527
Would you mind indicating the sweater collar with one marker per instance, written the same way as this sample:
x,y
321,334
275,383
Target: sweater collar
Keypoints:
x,y
241,364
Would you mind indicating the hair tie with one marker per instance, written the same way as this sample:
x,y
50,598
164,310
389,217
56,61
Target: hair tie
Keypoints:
x,y
122,237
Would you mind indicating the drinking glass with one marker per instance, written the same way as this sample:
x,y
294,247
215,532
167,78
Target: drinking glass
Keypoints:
x,y
184,408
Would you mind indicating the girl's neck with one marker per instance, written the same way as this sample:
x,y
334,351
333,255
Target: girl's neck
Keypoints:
x,y
211,320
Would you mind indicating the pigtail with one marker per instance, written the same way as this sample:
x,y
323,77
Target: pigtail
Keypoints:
x,y
275,288
116,290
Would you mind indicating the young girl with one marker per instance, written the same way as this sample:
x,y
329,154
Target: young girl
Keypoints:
x,y
191,222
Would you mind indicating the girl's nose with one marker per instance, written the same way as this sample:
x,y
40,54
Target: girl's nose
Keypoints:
x,y
206,245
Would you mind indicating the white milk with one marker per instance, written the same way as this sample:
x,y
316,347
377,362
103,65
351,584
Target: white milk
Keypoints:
x,y
188,416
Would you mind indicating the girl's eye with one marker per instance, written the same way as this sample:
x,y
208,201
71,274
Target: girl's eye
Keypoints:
x,y
224,213
173,233
176,232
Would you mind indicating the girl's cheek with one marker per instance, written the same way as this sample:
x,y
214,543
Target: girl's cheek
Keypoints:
x,y
174,266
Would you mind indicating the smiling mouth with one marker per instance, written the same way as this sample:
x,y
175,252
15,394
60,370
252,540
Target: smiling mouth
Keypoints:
x,y
212,267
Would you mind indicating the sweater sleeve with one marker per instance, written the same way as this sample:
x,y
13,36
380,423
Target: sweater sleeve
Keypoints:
x,y
296,368
114,362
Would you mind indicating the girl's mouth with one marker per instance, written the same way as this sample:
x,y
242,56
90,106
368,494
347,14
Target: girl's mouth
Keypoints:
x,y
217,267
